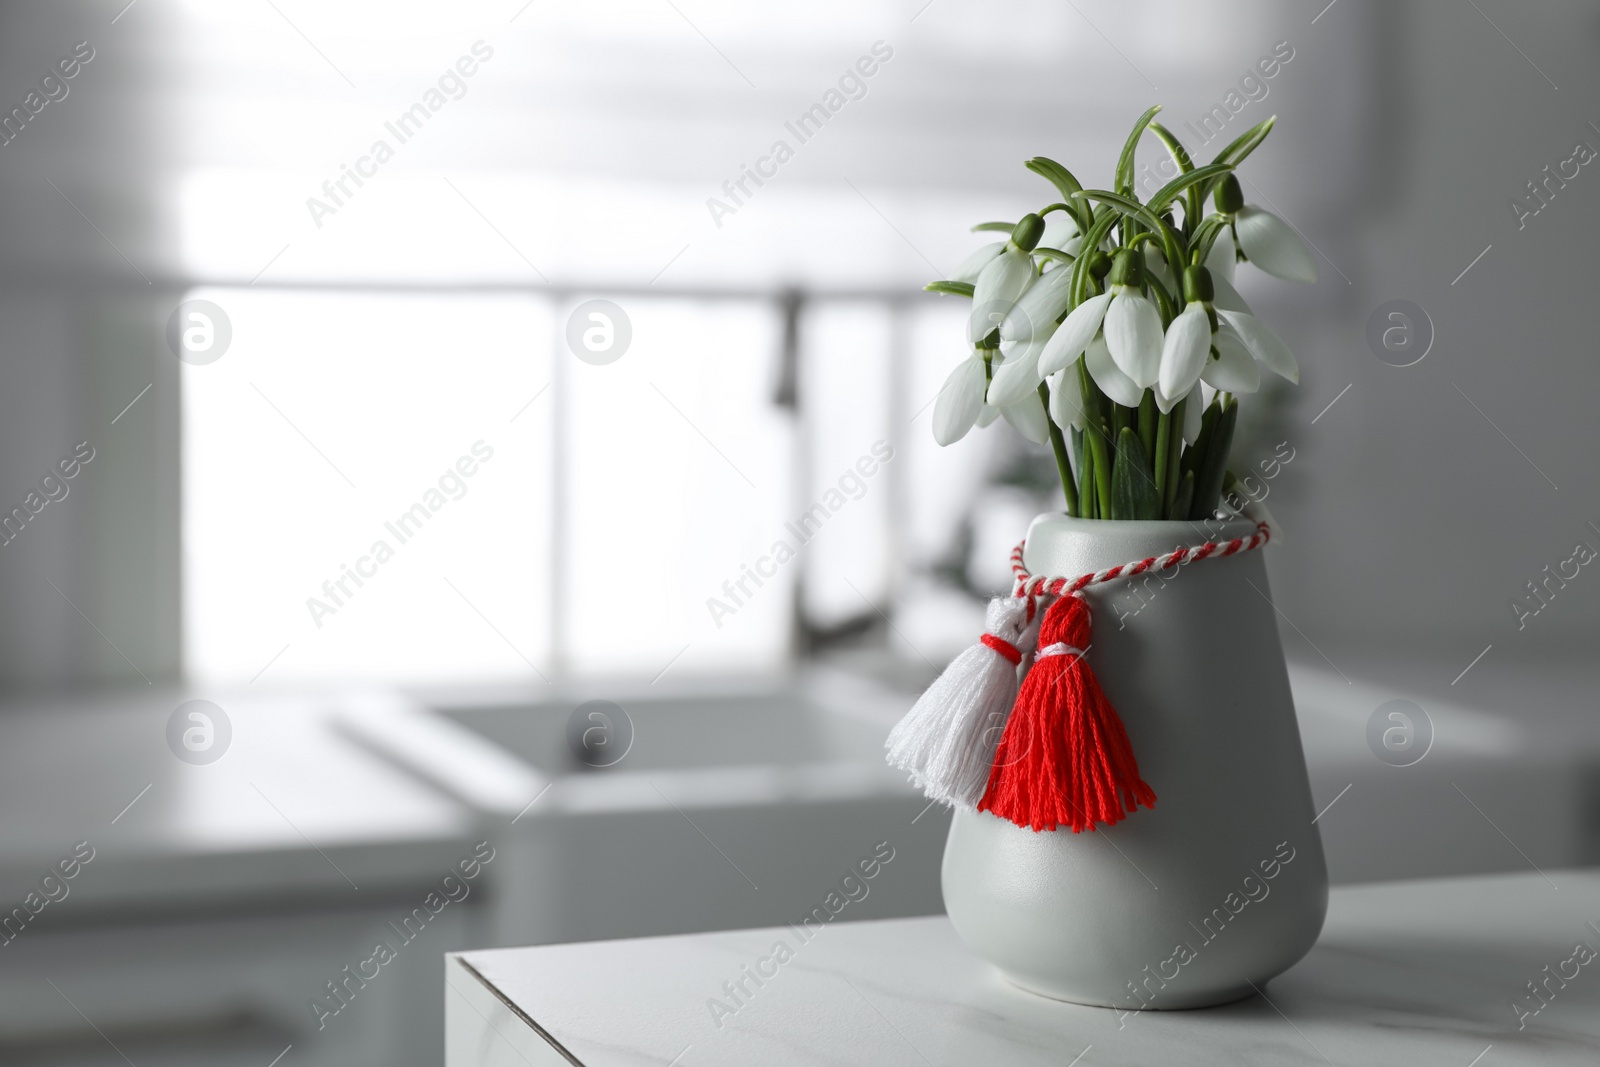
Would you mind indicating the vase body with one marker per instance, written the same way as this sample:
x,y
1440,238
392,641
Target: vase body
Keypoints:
x,y
1221,885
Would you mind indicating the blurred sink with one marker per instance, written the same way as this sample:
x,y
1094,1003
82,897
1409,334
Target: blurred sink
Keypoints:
x,y
731,807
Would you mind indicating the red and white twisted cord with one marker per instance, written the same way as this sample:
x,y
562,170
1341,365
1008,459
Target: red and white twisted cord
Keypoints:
x,y
1040,585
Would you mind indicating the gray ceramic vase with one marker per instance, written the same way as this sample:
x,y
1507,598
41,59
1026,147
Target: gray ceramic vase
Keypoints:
x,y
1222,885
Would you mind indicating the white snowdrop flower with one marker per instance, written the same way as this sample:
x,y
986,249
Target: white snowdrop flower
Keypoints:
x,y
1184,354
1264,344
1018,377
1004,279
1027,418
1039,307
973,265
1132,325
960,400
1066,398
1230,369
1061,232
1074,334
999,285
1193,411
1108,376
1264,238
1221,264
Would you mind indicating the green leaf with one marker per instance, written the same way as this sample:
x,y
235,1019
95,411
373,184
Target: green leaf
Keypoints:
x,y
1098,438
1185,498
1147,422
1172,454
1246,142
1124,205
1055,253
1125,163
1091,241
1171,249
1175,149
1177,186
1066,184
1133,491
1056,174
994,227
1208,480
952,288
1195,454
1205,237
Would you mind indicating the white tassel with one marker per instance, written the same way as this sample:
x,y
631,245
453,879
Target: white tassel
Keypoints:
x,y
947,740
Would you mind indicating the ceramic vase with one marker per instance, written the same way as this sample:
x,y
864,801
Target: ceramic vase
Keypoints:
x,y
1222,885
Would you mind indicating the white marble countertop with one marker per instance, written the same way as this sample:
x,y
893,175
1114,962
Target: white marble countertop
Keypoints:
x,y
1416,973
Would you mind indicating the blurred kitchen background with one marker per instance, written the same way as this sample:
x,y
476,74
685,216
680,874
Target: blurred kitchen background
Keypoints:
x,y
532,667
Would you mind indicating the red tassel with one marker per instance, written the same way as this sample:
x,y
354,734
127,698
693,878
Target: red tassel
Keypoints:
x,y
1064,758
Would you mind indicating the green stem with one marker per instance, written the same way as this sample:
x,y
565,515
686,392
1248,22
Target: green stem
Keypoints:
x,y
1160,457
1147,423
1099,449
1058,445
1172,458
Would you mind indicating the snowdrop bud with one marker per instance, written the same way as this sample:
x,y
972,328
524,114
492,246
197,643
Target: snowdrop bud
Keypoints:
x,y
1197,285
1025,235
1127,268
1229,198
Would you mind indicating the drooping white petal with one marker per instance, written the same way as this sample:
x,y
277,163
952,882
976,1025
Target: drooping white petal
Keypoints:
x,y
1066,398
1026,416
1233,371
1018,377
1109,377
1039,307
1183,354
1227,297
960,401
998,286
1156,264
1074,334
1192,414
973,265
1223,258
987,415
1264,344
1059,230
1133,333
1271,244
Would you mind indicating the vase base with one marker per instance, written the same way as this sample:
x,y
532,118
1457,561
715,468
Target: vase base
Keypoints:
x,y
1201,999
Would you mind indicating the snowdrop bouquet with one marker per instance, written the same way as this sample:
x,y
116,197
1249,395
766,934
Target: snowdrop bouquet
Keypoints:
x,y
1110,328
